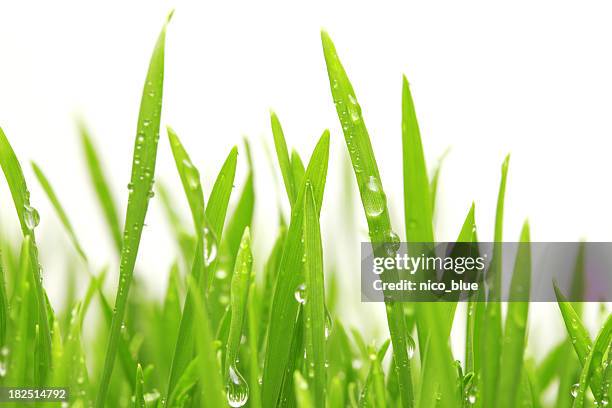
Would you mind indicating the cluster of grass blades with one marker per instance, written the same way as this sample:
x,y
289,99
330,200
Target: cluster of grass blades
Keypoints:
x,y
225,335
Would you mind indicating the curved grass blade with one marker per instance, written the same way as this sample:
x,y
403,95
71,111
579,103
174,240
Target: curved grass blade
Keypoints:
x,y
593,365
283,158
28,219
515,333
141,184
492,335
4,304
101,187
253,332
372,197
185,383
139,401
373,393
314,306
282,324
239,293
44,182
190,179
579,337
205,261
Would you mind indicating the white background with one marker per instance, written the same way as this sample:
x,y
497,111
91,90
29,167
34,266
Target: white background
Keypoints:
x,y
531,78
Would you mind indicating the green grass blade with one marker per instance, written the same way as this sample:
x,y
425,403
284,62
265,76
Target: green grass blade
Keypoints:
x,y
491,343
185,383
297,167
515,333
284,307
44,182
139,401
238,300
593,366
314,306
101,187
209,371
579,336
141,184
190,178
372,197
283,157
253,333
28,219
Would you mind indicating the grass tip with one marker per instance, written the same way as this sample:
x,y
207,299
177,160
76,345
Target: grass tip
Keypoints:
x,y
169,17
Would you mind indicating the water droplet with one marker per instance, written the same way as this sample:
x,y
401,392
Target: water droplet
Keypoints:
x,y
328,322
410,346
30,217
130,187
221,274
574,390
374,197
151,194
5,351
146,123
210,246
471,397
237,388
300,293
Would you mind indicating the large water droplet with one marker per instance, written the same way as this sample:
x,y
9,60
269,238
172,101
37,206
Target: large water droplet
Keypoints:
x,y
300,293
574,390
410,346
374,197
237,388
30,216
210,246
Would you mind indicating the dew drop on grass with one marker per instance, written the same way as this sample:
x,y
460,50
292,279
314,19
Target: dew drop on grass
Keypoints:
x,y
471,397
237,388
574,390
300,293
210,246
328,322
374,197
30,217
410,346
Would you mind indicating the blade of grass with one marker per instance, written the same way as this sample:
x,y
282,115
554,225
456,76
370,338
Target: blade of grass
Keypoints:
x,y
297,168
237,388
302,392
314,306
190,178
205,261
4,304
210,374
579,337
372,196
515,333
491,342
283,157
593,365
252,338
282,324
44,182
28,219
101,186
139,401
141,184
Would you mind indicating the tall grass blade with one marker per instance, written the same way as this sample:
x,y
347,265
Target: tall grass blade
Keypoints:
x,y
435,178
283,157
284,309
190,179
314,306
101,186
593,366
237,388
297,168
141,185
4,304
139,401
492,335
515,333
372,197
44,182
28,219
302,392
